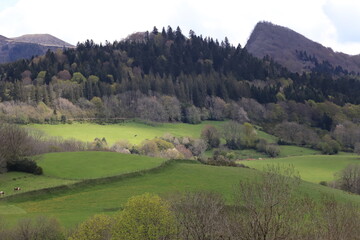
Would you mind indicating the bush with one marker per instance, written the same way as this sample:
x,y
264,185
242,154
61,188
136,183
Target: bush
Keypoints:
x,y
184,151
162,144
324,183
197,146
211,135
40,228
272,150
221,158
261,145
348,179
122,146
25,165
97,227
149,148
145,217
171,153
329,145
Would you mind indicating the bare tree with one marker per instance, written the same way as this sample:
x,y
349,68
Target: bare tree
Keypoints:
x,y
201,216
232,132
349,178
216,108
338,220
266,209
14,144
149,108
211,135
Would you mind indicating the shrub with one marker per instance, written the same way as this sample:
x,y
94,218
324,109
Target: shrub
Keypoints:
x,y
261,145
162,144
40,228
197,146
221,158
324,183
145,217
184,151
329,145
192,115
171,153
122,146
97,227
211,135
348,179
25,165
200,215
272,150
100,144
232,132
149,147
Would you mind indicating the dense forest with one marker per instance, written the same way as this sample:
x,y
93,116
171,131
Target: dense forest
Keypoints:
x,y
169,63
166,76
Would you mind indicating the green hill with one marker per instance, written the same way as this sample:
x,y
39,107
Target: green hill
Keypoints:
x,y
89,165
75,204
312,168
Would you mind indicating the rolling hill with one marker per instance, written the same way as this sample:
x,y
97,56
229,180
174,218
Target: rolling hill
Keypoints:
x,y
294,51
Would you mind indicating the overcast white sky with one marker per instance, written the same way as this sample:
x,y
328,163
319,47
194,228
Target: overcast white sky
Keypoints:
x,y
333,23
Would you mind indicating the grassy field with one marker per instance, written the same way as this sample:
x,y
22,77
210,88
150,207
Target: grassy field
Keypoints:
x,y
287,151
75,205
312,168
28,182
134,132
88,165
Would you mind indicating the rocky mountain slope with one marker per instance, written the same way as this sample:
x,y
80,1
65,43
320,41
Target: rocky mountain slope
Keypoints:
x,y
26,46
295,51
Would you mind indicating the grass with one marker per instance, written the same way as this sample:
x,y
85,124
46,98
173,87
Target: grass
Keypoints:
x,y
290,150
134,132
89,165
28,182
312,168
76,205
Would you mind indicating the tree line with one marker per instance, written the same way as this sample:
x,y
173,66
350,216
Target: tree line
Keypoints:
x,y
169,63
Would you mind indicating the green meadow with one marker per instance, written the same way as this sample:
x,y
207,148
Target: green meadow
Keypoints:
x,y
134,132
312,168
28,182
76,204
77,185
89,165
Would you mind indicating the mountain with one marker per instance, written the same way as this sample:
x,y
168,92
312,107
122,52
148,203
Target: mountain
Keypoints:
x,y
294,51
43,39
26,46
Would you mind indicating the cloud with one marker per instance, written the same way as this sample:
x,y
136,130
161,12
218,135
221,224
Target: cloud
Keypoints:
x,y
344,15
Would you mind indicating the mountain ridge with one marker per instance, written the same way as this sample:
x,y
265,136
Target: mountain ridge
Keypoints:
x,y
42,39
295,51
27,46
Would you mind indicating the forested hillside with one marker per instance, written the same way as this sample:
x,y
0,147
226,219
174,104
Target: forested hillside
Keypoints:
x,y
169,63
166,76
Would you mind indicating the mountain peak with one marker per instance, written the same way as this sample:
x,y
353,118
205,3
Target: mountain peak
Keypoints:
x,y
286,46
43,39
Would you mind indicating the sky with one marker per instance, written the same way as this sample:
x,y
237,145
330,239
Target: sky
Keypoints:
x,y
333,23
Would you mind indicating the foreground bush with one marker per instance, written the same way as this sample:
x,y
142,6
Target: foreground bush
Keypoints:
x,y
41,228
145,217
25,165
97,227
